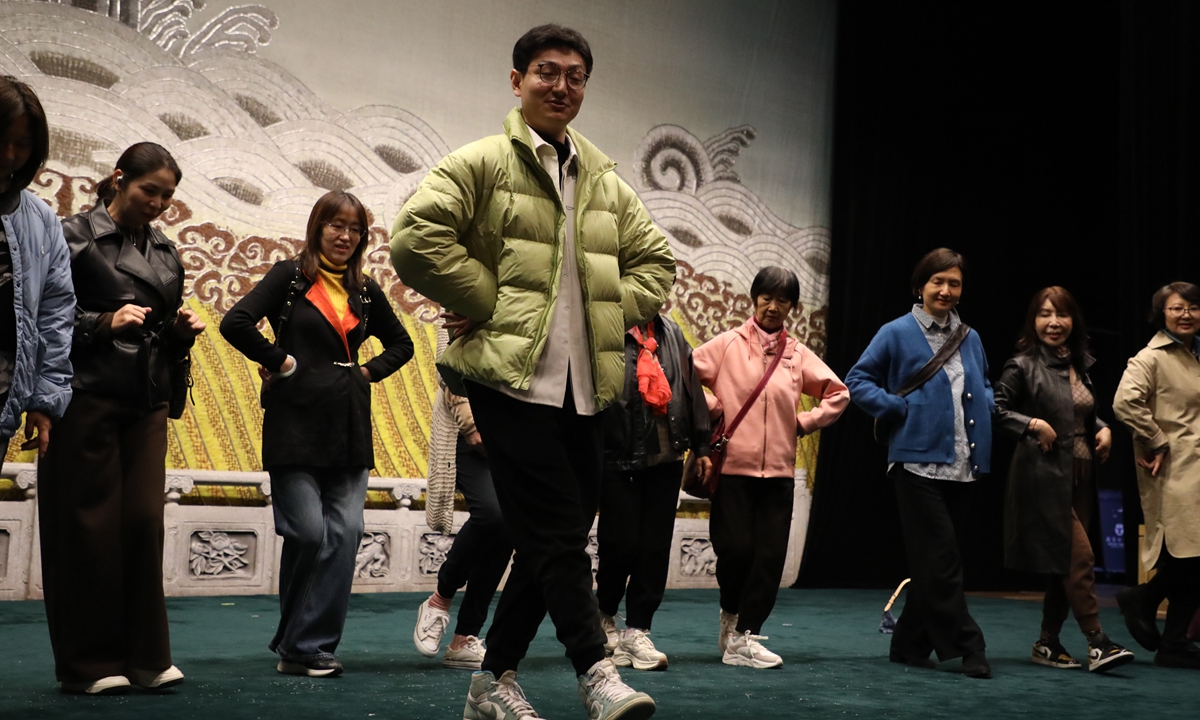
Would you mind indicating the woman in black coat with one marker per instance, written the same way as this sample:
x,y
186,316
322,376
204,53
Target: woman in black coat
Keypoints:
x,y
100,485
317,419
1046,400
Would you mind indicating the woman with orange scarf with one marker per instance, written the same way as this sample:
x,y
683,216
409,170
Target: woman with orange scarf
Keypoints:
x,y
317,419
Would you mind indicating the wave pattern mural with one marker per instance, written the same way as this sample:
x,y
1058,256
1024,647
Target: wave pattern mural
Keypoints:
x,y
257,148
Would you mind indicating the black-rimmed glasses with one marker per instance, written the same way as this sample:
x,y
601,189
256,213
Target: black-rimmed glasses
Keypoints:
x,y
549,73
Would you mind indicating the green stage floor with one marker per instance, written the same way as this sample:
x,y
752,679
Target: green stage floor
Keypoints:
x,y
835,666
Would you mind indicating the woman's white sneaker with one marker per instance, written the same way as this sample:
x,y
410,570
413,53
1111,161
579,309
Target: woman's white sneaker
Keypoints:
x,y
745,650
467,657
635,650
150,680
431,624
111,685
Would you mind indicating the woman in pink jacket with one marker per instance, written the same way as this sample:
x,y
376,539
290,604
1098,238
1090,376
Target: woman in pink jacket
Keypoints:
x,y
752,508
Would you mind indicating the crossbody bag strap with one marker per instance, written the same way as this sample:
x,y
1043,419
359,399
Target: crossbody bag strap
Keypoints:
x,y
737,420
286,311
936,362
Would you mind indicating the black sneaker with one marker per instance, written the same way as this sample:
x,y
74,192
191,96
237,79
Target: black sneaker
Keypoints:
x,y
1051,653
1140,619
1104,654
324,668
915,661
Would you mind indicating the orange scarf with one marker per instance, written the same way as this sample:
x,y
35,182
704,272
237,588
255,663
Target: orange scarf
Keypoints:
x,y
652,381
329,296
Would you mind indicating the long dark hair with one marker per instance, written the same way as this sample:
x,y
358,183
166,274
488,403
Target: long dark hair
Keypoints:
x,y
1064,302
138,159
326,209
17,99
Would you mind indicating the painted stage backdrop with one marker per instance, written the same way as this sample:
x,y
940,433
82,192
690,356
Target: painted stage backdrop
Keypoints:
x,y
717,113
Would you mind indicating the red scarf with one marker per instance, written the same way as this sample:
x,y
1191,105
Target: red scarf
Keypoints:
x,y
652,381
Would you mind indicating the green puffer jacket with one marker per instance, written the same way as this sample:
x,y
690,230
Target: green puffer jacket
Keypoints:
x,y
483,236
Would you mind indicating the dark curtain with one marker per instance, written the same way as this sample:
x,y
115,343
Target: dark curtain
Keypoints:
x,y
1051,144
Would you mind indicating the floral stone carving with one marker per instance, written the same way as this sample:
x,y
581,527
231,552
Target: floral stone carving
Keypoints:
x,y
433,548
696,557
219,554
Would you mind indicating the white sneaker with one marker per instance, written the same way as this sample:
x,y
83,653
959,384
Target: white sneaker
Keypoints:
x,y
635,649
151,680
728,625
431,624
492,699
608,624
467,657
746,650
111,685
606,697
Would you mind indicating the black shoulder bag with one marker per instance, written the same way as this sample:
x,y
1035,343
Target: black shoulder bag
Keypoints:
x,y
883,428
284,313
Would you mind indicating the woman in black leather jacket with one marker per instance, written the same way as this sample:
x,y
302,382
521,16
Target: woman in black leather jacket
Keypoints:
x,y
645,438
100,485
1046,400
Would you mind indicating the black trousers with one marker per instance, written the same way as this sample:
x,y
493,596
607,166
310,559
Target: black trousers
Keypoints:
x,y
637,522
750,522
1177,580
546,466
100,509
481,550
935,616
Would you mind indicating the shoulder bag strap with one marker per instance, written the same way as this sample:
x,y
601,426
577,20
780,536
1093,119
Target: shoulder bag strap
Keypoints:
x,y
935,363
285,312
737,420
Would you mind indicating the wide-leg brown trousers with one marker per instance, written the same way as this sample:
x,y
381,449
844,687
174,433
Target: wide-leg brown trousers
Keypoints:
x,y
100,505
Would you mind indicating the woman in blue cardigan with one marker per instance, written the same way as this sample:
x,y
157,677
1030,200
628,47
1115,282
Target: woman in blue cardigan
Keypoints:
x,y
939,442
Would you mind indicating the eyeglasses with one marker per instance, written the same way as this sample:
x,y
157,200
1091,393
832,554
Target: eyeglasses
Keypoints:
x,y
1180,311
549,73
340,229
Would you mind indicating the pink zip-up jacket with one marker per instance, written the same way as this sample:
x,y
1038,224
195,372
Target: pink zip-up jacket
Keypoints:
x,y
764,445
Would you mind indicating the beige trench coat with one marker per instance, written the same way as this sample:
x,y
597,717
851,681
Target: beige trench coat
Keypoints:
x,y
1159,400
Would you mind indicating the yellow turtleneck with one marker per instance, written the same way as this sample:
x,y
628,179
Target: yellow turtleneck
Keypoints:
x,y
331,278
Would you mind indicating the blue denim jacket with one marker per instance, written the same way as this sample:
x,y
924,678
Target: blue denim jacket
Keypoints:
x,y
45,307
924,420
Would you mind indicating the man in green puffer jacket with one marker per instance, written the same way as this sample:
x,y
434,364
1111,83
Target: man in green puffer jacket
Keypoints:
x,y
542,258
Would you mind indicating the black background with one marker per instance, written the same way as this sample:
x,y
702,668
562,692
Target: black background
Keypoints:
x,y
1051,143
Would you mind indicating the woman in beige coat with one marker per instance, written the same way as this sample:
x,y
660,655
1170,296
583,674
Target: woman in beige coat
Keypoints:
x,y
1159,400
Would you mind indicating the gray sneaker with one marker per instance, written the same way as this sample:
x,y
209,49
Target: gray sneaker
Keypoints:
x,y
606,697
467,657
492,699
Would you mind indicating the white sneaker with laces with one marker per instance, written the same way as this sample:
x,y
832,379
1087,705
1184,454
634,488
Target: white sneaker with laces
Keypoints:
x,y
467,657
606,697
612,636
745,650
635,649
728,625
431,625
151,680
492,699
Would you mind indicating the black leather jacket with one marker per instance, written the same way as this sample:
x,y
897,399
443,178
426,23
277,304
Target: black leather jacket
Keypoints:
x,y
132,365
629,426
1038,500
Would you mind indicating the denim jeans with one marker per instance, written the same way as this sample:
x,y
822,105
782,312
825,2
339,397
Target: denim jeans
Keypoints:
x,y
319,514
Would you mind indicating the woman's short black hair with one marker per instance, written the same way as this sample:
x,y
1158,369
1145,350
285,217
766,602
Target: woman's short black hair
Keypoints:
x,y
17,99
934,262
550,36
779,281
1158,304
